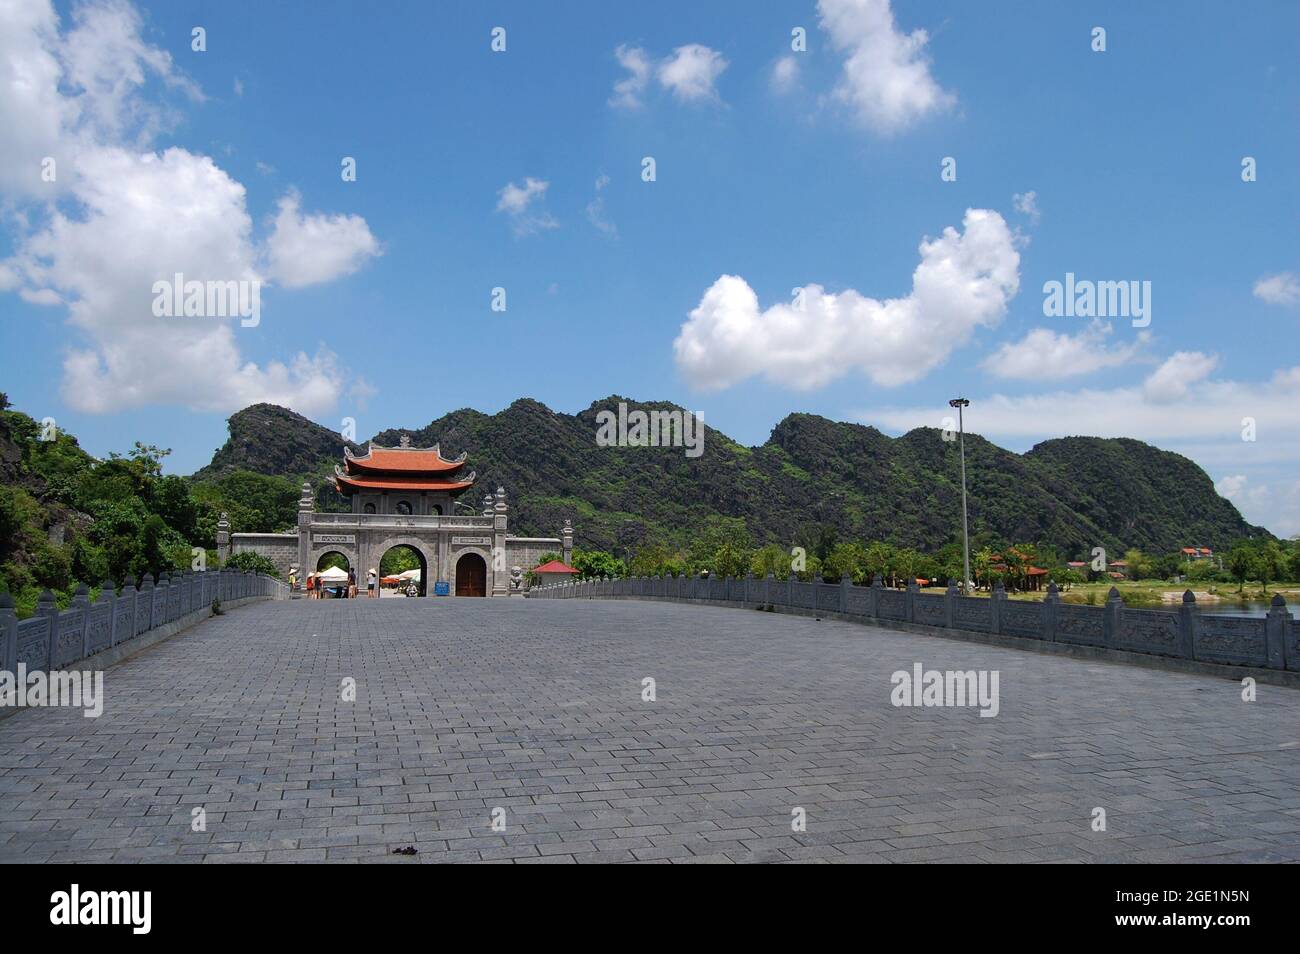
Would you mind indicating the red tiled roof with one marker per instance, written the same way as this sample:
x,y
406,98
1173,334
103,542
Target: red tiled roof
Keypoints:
x,y
1189,550
1035,571
350,483
555,566
401,460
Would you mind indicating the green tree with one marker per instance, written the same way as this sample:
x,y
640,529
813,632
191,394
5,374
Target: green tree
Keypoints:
x,y
1240,563
592,564
771,558
248,560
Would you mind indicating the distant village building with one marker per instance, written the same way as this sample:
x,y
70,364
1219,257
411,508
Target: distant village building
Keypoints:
x,y
406,496
554,571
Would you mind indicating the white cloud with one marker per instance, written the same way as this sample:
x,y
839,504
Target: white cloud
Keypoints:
x,y
1210,410
627,91
1280,289
1174,379
239,86
886,80
785,74
1044,354
127,217
1206,424
309,249
596,208
963,281
1230,486
516,202
1026,204
689,73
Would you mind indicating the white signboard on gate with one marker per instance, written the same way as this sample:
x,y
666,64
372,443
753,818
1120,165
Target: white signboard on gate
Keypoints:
x,y
333,538
471,541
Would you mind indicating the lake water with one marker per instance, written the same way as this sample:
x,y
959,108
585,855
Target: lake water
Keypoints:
x,y
1253,608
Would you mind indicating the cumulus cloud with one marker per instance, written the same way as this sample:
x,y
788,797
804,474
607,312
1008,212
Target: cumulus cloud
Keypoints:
x,y
688,73
1044,354
627,91
1280,289
309,249
886,80
1176,377
522,204
785,74
1026,203
126,217
964,281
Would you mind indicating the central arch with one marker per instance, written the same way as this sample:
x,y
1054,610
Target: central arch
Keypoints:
x,y
471,575
400,558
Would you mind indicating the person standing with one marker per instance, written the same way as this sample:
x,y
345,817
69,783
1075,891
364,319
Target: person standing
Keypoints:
x,y
311,586
352,584
370,584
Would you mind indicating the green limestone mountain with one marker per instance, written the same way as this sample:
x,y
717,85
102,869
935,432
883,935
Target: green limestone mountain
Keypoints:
x,y
1074,493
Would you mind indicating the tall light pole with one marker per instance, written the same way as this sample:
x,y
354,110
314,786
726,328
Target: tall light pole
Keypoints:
x,y
960,403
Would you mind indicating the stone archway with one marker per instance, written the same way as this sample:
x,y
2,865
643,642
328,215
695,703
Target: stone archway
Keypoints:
x,y
423,586
425,549
471,574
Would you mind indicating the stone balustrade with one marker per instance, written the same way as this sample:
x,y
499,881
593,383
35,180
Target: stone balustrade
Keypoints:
x,y
52,639
1183,632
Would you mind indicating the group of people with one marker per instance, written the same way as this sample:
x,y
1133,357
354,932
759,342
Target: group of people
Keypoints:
x,y
315,586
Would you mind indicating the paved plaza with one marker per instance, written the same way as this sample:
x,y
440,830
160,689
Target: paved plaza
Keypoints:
x,y
465,707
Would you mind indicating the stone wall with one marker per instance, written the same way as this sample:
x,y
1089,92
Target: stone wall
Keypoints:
x,y
526,552
51,639
1272,642
280,548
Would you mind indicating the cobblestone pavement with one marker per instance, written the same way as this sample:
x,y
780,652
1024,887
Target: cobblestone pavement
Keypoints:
x,y
535,707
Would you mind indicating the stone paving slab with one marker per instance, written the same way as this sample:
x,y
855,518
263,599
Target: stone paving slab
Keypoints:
x,y
534,707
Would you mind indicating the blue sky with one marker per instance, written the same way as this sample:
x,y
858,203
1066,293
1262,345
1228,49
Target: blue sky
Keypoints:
x,y
782,169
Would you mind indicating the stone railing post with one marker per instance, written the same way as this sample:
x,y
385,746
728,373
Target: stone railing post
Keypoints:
x,y
1277,627
1187,623
8,635
45,606
131,599
909,601
108,594
873,598
81,603
996,599
1051,612
950,604
1113,619
161,599
144,604
769,585
789,588
846,583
